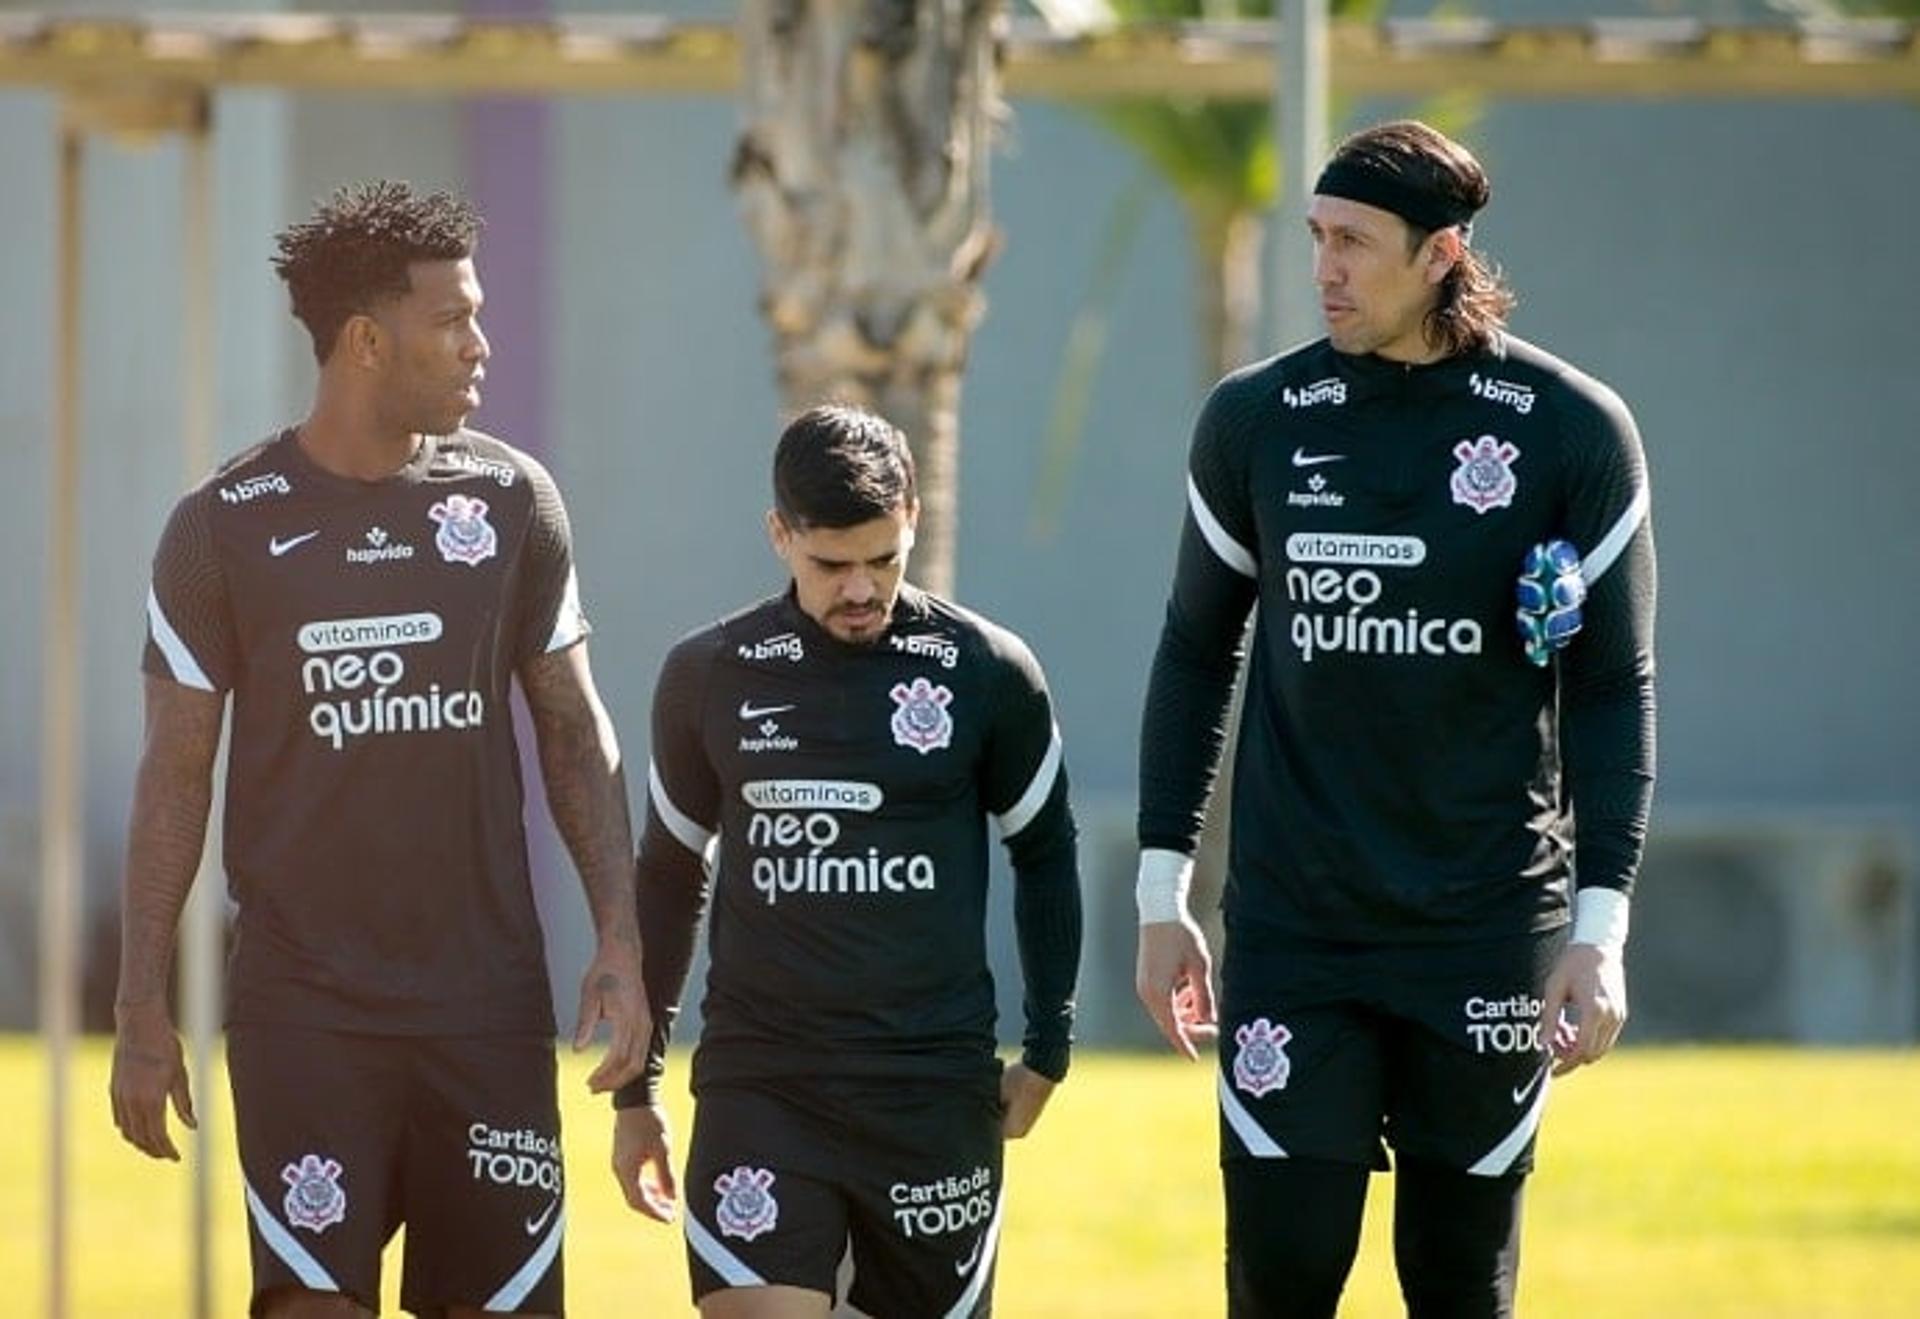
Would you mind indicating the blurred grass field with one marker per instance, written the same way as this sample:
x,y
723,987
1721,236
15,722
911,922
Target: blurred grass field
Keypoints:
x,y
1692,1183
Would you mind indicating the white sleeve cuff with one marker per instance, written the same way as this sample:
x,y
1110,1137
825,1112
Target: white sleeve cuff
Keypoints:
x,y
1161,891
1600,919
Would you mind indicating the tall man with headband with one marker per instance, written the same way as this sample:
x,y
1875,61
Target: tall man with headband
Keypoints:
x,y
1404,863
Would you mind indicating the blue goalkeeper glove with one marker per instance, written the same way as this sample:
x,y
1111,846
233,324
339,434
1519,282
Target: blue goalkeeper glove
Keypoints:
x,y
1550,593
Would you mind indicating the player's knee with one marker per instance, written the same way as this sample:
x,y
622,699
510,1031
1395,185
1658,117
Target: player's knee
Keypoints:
x,y
1456,1240
1293,1227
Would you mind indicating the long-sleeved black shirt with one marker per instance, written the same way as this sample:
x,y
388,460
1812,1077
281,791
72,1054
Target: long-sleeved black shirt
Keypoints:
x,y
839,795
1403,772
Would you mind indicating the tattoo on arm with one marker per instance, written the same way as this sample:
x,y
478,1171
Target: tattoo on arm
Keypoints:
x,y
586,786
172,794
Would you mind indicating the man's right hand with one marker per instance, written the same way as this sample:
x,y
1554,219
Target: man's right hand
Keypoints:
x,y
148,1070
642,1161
1173,977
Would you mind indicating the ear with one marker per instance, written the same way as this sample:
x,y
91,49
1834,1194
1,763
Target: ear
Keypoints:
x,y
913,524
362,342
1445,248
779,535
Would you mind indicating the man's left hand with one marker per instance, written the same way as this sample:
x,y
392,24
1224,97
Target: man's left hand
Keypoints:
x,y
1590,984
1023,1094
612,991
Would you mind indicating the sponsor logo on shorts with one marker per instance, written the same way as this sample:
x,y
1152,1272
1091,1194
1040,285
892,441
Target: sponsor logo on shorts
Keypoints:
x,y
786,646
465,535
1261,1064
749,711
920,717
944,651
1301,458
539,1220
315,1199
515,1157
747,1207
1503,1025
1520,1092
940,1207
1484,480
255,487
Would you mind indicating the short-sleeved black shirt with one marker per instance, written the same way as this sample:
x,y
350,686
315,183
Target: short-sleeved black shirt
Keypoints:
x,y
369,633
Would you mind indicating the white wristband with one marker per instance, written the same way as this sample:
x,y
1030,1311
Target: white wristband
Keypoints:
x,y
1600,919
1160,893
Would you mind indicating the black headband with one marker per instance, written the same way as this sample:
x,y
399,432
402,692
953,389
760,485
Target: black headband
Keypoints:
x,y
1375,185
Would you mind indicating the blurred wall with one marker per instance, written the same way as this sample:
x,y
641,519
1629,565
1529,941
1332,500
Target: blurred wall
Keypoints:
x,y
1737,270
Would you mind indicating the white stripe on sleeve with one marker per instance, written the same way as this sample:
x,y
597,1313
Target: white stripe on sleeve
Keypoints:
x,y
1601,557
571,623
692,834
1021,813
1232,553
186,669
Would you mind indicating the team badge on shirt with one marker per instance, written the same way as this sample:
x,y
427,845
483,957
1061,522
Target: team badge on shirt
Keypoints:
x,y
1262,1063
465,535
1484,479
920,718
747,1207
315,1199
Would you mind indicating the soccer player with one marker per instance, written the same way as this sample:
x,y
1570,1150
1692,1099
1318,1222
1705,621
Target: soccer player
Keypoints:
x,y
1410,773
366,585
831,756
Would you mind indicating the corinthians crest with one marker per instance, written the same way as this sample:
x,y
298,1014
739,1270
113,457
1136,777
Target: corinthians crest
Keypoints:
x,y
747,1207
920,718
315,1199
465,535
1484,480
1262,1063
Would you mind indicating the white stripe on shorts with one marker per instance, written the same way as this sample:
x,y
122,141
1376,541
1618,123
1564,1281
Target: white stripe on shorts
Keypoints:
x,y
732,1270
295,1256
1251,1133
517,1288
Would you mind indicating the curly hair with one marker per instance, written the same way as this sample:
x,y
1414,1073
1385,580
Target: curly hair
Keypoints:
x,y
354,252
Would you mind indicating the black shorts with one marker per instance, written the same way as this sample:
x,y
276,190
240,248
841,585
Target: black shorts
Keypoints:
x,y
345,1137
1333,1051
902,1178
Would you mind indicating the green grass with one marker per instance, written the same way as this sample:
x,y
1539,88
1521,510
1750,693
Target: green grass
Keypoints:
x,y
1686,1183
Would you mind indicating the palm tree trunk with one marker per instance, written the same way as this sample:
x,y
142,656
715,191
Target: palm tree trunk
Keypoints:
x,y
861,170
1226,288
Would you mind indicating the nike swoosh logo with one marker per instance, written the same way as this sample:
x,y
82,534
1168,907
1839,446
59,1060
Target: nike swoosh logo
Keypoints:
x,y
1520,1092
963,1267
750,711
276,547
539,1220
1301,458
